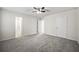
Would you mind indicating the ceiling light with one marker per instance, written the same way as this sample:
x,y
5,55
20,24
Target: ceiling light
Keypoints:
x,y
38,12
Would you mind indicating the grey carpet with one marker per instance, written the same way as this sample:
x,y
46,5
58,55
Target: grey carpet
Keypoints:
x,y
39,43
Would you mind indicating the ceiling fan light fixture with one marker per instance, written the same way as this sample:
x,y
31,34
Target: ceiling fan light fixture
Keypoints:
x,y
38,12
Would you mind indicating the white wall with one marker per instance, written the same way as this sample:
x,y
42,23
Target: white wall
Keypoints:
x,y
78,24
72,25
0,23
29,25
50,24
63,24
8,24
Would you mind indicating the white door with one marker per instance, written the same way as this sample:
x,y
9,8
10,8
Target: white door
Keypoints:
x,y
61,26
40,26
18,26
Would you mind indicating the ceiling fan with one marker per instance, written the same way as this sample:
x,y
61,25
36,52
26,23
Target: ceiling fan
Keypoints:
x,y
40,10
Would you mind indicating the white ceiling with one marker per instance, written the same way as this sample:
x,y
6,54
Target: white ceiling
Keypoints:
x,y
28,10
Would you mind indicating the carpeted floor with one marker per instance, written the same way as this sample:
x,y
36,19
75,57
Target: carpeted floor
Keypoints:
x,y
39,43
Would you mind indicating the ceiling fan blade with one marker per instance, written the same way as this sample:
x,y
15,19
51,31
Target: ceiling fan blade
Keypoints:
x,y
38,9
43,8
34,7
43,11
